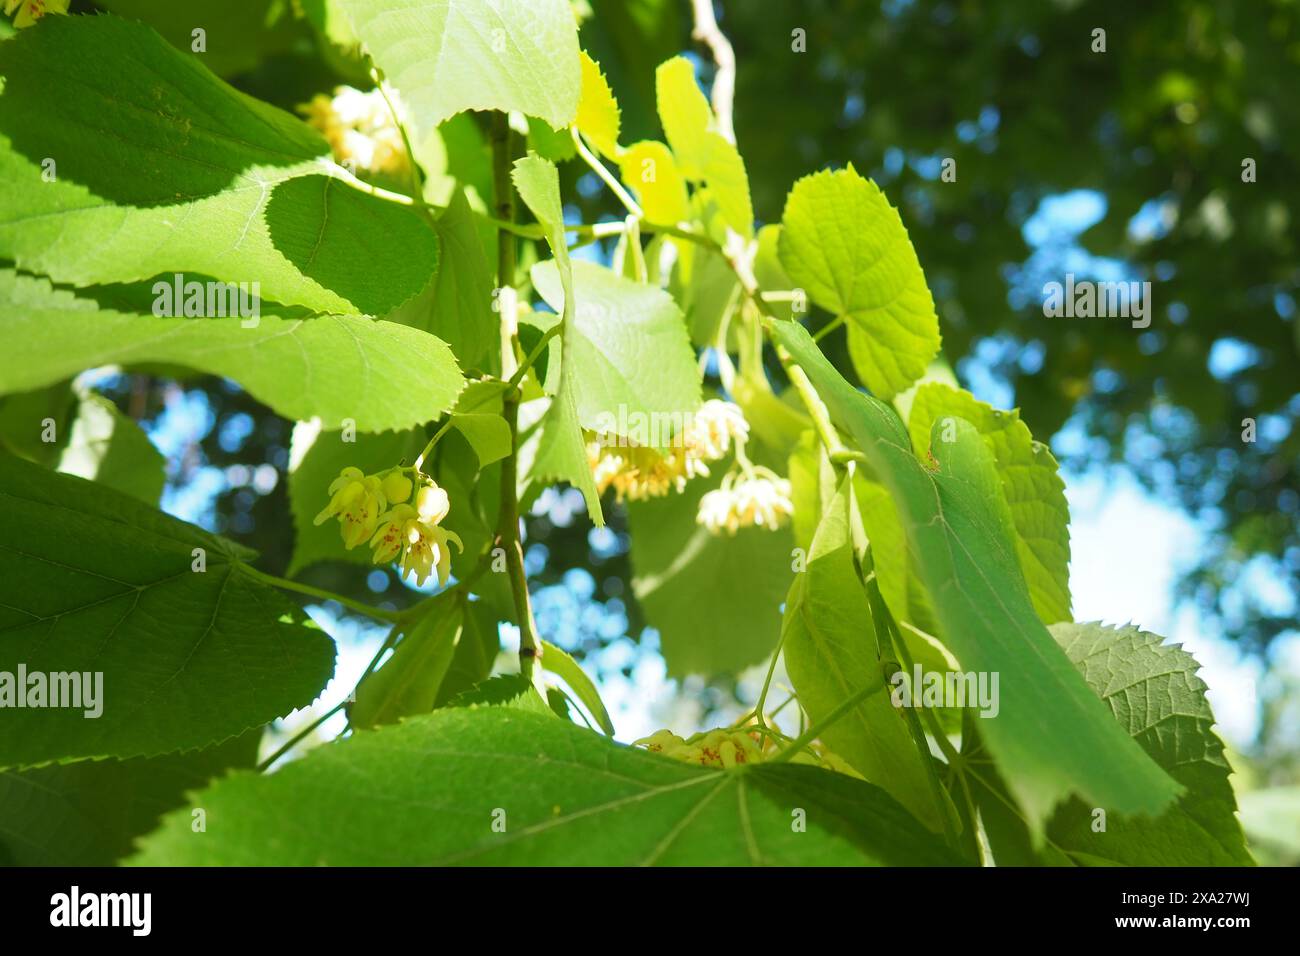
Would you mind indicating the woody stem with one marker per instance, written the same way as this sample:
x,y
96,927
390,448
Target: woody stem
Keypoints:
x,y
508,526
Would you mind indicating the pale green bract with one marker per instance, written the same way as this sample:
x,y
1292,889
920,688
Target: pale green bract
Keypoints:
x,y
1030,485
1052,735
831,653
563,452
701,151
107,446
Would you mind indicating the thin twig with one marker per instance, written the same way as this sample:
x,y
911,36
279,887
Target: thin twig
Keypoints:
x,y
271,579
298,737
724,57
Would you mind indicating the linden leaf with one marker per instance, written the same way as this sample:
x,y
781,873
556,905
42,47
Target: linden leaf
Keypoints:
x,y
598,114
846,246
429,790
445,56
87,578
167,169
398,376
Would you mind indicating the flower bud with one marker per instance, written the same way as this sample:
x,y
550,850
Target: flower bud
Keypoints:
x,y
432,504
397,488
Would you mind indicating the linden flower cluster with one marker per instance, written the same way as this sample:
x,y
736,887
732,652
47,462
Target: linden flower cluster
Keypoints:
x,y
359,128
380,509
720,748
754,498
725,748
637,473
29,11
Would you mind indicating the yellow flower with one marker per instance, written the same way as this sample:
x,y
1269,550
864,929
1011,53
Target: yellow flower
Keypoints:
x,y
426,548
33,10
360,129
722,748
759,498
637,473
358,501
432,503
390,535
660,740
712,429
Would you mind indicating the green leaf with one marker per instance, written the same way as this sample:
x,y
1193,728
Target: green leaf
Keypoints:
x,y
845,245
443,56
715,600
558,662
769,273
1052,736
555,145
702,152
685,114
650,169
236,35
409,681
373,254
488,434
562,453
1030,485
513,691
477,416
618,323
25,415
598,116
92,580
427,792
831,654
1153,691
476,652
339,368
203,181
90,813
704,284
108,447
729,184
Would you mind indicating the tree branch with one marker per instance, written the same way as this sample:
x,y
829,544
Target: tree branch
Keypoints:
x,y
724,80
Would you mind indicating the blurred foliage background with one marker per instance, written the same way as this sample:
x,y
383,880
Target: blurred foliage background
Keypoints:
x,y
1138,150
